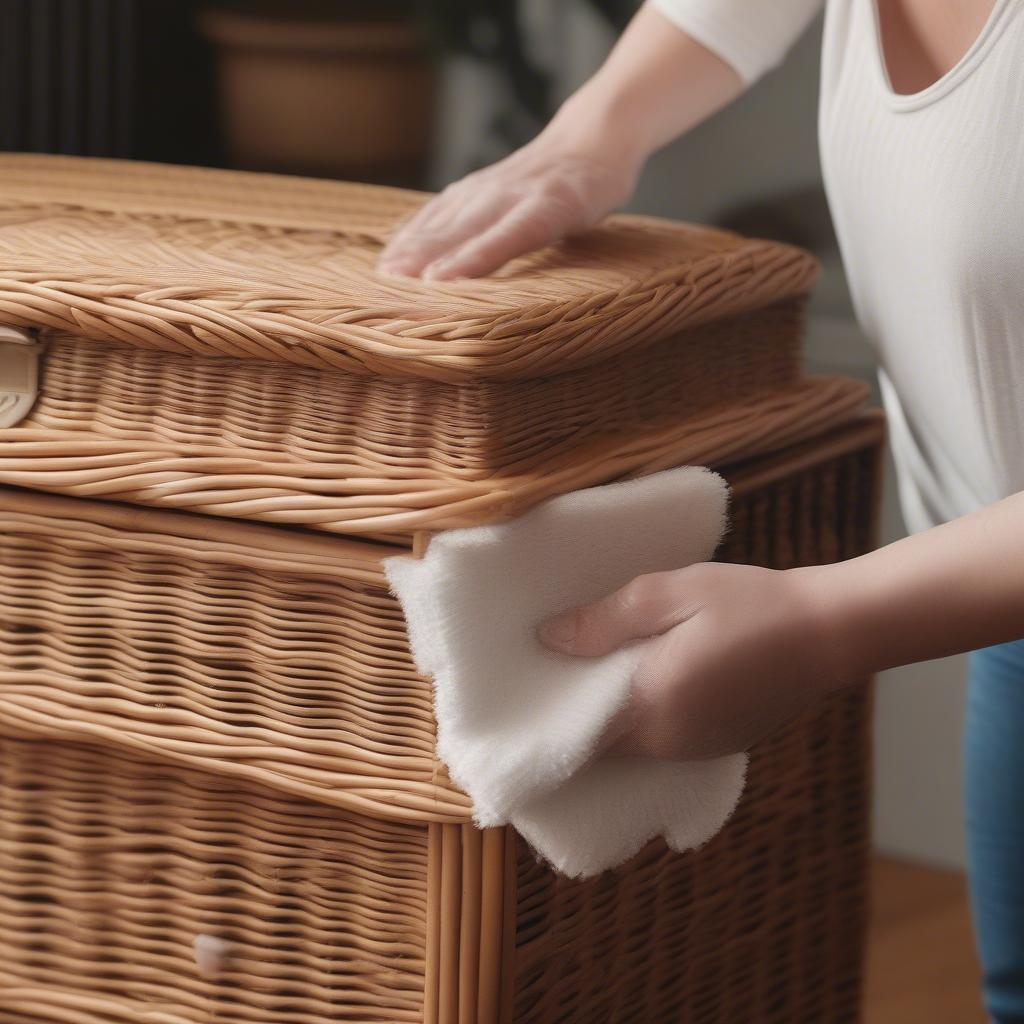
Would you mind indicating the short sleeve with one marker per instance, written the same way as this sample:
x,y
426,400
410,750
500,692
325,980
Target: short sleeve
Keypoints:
x,y
753,36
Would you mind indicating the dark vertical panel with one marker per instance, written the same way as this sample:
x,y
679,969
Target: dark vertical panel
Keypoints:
x,y
13,67
176,82
72,65
99,87
42,75
125,84
127,78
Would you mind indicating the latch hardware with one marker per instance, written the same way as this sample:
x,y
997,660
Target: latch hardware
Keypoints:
x,y
19,374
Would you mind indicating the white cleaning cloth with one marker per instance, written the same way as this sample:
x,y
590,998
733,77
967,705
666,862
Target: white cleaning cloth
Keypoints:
x,y
517,723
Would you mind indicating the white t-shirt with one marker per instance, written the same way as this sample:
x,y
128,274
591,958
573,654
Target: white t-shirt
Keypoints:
x,y
927,196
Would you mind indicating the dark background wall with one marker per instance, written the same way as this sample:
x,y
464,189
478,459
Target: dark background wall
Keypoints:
x,y
106,78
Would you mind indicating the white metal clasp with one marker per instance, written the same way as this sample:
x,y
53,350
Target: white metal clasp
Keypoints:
x,y
19,374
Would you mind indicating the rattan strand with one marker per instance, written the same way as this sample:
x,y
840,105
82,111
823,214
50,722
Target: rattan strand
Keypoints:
x,y
187,261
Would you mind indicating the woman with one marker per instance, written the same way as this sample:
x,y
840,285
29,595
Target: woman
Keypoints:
x,y
922,139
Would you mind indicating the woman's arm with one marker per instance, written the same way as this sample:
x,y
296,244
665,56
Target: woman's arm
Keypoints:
x,y
741,649
657,83
954,588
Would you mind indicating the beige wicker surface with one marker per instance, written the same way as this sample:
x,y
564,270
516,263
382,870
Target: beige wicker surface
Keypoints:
x,y
181,758
221,263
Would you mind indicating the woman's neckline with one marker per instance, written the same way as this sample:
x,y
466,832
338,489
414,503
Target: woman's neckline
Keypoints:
x,y
949,80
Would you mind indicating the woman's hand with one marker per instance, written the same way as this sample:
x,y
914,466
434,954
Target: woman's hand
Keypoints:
x,y
543,192
739,651
657,83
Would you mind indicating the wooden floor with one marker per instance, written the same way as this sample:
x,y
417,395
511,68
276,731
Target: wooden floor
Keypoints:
x,y
921,963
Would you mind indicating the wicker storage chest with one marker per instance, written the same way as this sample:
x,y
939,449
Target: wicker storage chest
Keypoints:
x,y
218,795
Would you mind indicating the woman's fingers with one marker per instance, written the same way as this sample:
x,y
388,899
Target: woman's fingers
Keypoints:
x,y
528,200
430,215
442,227
531,224
648,606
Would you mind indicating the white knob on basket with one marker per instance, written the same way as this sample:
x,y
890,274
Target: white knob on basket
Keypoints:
x,y
211,954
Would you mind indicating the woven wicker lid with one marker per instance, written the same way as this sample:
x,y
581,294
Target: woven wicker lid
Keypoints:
x,y
224,263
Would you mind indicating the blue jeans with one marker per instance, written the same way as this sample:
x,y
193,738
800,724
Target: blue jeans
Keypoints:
x,y
994,783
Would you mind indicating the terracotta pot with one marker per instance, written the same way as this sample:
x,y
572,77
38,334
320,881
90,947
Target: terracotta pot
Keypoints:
x,y
324,89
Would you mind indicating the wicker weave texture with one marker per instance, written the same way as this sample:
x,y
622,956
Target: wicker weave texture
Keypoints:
x,y
275,661
371,486
221,263
179,761
404,428
111,868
